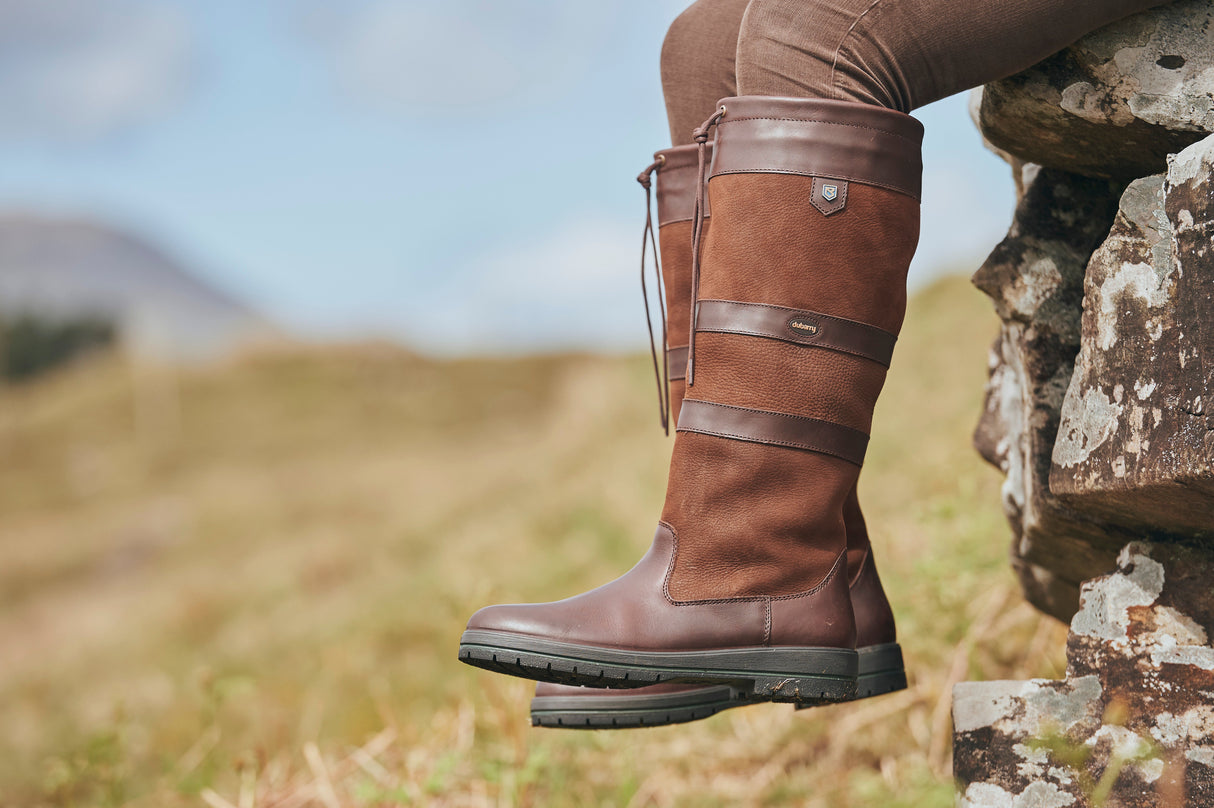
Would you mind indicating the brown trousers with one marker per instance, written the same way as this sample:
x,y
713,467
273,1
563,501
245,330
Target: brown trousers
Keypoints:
x,y
899,54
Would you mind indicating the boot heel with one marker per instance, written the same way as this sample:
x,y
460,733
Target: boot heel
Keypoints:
x,y
793,675
881,670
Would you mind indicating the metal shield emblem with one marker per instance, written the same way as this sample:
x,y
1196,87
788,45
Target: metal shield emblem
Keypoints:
x,y
830,192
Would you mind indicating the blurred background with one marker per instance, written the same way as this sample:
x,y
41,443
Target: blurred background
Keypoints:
x,y
457,177
285,286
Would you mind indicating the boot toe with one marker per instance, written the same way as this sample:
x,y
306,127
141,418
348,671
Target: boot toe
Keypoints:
x,y
530,619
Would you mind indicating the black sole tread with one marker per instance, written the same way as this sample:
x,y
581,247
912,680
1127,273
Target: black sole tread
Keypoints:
x,y
870,684
802,688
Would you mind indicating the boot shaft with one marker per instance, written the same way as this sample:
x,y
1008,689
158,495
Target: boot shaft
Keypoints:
x,y
801,294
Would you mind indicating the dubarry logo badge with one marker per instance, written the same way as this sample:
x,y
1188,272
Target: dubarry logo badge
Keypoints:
x,y
803,327
830,192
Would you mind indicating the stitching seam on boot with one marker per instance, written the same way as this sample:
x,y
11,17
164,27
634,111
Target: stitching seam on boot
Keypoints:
x,y
670,571
765,599
723,122
790,173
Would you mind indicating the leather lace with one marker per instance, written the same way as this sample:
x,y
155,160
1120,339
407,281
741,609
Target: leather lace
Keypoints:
x,y
648,239
700,136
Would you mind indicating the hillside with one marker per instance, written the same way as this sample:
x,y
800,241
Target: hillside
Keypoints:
x,y
66,268
222,581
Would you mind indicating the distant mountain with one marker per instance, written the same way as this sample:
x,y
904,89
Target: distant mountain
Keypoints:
x,y
72,267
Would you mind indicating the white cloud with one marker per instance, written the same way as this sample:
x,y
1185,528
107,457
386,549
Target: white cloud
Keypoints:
x,y
77,70
457,54
577,288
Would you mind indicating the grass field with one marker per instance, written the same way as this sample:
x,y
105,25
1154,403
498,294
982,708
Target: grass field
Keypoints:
x,y
243,585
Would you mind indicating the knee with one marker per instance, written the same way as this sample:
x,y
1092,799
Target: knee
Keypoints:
x,y
784,49
814,49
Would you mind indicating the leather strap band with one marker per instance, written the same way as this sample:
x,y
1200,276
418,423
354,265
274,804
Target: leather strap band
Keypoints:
x,y
797,326
776,428
677,177
676,363
842,140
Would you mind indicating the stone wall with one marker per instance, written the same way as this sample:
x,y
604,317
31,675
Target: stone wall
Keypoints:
x,y
1131,725
1136,439
1095,407
1100,411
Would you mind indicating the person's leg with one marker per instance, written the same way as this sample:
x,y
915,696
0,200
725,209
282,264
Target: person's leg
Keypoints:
x,y
698,63
903,54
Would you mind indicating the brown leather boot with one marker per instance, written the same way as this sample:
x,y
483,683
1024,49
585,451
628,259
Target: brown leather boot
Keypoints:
x,y
803,289
880,657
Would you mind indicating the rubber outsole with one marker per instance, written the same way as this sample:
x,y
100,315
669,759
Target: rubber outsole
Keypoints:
x,y
880,671
633,711
783,674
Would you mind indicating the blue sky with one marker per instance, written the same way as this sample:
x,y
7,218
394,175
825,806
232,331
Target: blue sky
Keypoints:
x,y
458,175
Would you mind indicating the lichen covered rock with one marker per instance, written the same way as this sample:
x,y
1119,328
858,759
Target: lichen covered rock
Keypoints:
x,y
1135,445
1115,103
1098,410
1034,277
1134,718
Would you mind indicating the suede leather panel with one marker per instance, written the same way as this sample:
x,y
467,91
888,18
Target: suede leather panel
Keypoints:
x,y
766,374
769,244
674,242
753,519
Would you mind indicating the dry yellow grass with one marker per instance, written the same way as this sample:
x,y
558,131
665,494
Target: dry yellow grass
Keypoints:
x,y
243,585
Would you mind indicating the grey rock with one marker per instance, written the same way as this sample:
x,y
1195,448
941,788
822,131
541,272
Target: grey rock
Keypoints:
x,y
1136,708
1034,277
1115,103
1135,444
1098,411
